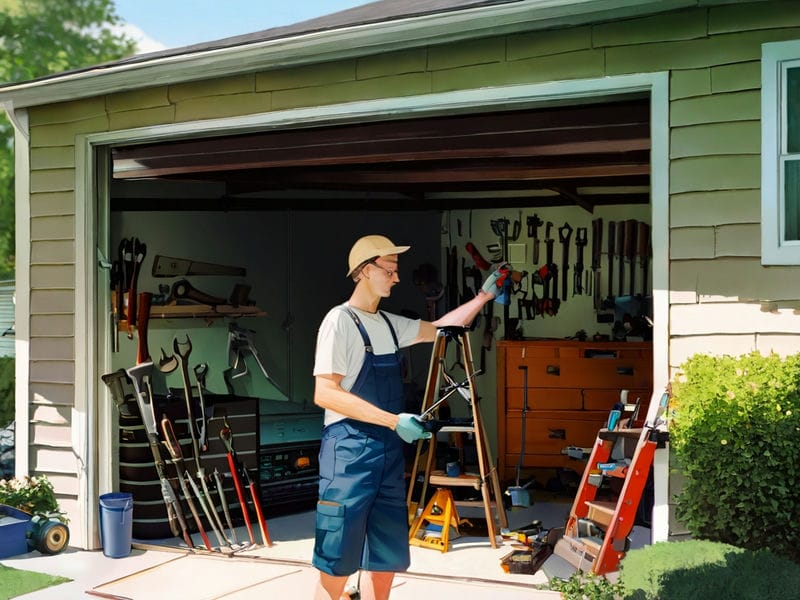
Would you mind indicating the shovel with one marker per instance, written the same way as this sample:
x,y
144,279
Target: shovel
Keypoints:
x,y
520,496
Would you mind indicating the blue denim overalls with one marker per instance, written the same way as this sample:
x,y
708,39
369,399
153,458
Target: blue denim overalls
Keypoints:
x,y
362,519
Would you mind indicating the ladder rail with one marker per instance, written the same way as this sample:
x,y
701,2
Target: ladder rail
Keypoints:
x,y
428,399
614,543
487,467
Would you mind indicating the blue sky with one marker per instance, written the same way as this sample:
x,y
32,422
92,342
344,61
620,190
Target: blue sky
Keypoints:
x,y
159,24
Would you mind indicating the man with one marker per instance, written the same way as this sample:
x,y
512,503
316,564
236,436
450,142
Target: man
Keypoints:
x,y
362,519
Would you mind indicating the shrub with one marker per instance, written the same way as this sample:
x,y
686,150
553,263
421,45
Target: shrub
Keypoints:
x,y
702,570
736,434
585,586
6,390
34,495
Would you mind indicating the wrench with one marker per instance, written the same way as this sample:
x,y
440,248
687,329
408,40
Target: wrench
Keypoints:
x,y
200,374
182,351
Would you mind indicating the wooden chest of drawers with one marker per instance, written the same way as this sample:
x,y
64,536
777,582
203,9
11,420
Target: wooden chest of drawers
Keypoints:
x,y
571,387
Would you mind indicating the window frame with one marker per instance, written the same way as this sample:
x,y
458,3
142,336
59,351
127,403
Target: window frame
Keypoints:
x,y
776,58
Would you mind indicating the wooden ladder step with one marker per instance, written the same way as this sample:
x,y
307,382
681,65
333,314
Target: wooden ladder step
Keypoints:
x,y
575,552
601,512
438,478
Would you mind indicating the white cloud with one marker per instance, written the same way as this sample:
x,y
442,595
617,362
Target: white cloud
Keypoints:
x,y
144,43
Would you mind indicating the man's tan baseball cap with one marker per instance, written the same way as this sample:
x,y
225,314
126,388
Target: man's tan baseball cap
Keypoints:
x,y
369,247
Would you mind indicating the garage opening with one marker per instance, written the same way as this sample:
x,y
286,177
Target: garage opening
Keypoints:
x,y
241,241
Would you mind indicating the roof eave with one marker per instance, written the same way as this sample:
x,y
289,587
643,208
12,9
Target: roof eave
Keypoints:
x,y
328,45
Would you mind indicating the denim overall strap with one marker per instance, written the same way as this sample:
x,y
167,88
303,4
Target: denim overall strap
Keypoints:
x,y
380,380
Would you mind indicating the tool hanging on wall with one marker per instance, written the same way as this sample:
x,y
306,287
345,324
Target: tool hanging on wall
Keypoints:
x,y
168,266
631,231
611,247
468,274
564,236
577,276
534,223
621,257
480,262
115,277
500,229
597,250
240,341
183,290
138,251
549,276
142,319
516,229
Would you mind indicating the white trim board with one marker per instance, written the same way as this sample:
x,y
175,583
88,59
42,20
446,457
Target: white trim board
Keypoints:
x,y
474,100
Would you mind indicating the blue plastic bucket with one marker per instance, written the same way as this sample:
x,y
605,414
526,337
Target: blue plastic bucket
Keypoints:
x,y
116,523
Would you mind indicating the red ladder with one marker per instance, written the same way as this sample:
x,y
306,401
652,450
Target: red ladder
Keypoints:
x,y
596,534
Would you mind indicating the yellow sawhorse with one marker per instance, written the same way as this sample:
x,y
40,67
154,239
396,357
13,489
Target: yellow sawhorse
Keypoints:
x,y
441,512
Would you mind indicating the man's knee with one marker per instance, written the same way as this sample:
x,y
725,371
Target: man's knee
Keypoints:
x,y
329,587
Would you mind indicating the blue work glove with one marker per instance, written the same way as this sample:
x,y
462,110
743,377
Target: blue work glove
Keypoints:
x,y
410,429
497,282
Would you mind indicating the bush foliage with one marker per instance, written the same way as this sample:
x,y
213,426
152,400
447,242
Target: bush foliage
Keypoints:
x,y
736,433
6,390
703,570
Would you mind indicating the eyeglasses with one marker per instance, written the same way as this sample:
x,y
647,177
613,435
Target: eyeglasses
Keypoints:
x,y
389,272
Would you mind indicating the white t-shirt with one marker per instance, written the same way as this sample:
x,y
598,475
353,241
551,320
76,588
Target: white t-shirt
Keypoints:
x,y
340,347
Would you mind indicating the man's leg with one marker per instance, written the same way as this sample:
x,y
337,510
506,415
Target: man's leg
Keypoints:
x,y
330,587
376,585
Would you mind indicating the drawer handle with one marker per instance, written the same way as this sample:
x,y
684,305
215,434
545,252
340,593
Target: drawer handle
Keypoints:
x,y
553,370
557,434
600,353
624,370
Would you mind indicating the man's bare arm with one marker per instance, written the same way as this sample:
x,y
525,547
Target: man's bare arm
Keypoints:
x,y
329,394
460,316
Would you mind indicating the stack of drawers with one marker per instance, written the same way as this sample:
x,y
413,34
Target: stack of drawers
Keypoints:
x,y
571,387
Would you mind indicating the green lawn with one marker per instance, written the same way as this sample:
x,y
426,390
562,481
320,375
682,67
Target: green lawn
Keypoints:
x,y
15,582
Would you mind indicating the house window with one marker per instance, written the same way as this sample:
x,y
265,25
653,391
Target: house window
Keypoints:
x,y
780,153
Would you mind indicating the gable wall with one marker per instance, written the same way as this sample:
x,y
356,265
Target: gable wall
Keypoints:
x,y
721,298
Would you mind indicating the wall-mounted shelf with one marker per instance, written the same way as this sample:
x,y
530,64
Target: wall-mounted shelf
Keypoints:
x,y
203,311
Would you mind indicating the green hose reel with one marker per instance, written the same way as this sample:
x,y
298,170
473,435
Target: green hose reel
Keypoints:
x,y
48,535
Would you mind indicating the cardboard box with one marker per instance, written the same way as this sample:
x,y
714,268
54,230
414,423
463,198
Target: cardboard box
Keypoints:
x,y
14,527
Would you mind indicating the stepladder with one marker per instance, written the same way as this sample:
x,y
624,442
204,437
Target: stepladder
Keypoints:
x,y
597,534
476,476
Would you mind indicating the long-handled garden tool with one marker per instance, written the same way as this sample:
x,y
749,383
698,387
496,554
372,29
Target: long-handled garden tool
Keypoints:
x,y
140,378
226,435
182,351
175,451
225,509
519,494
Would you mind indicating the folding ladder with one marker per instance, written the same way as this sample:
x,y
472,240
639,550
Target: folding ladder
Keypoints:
x,y
596,536
440,387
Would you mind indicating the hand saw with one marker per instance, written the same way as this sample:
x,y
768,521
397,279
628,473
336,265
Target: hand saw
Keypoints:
x,y
168,266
